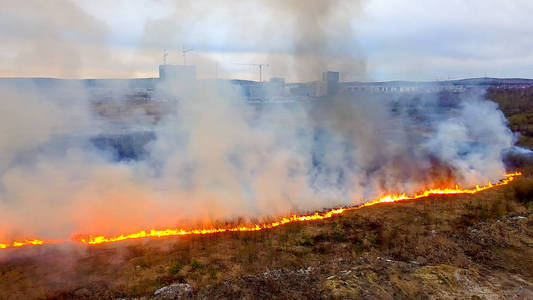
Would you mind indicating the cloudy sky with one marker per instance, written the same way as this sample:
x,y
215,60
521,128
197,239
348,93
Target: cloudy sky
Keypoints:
x,y
365,39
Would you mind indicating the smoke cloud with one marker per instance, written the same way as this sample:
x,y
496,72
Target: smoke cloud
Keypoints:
x,y
298,39
214,157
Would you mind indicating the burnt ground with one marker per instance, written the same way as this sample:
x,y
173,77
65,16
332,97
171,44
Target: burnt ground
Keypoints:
x,y
469,246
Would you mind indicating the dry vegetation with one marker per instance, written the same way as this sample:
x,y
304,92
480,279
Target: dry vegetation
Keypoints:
x,y
453,246
517,105
468,246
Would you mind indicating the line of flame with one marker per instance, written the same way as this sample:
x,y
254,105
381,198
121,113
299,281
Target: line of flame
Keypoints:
x,y
100,239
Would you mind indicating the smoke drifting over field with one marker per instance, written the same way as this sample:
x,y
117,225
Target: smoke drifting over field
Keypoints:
x,y
218,158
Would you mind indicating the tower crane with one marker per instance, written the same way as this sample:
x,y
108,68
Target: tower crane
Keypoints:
x,y
184,53
260,66
165,54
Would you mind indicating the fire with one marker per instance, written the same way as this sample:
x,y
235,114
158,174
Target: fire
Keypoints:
x,y
153,233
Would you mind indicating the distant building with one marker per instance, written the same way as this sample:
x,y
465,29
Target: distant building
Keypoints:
x,y
280,81
331,82
177,73
275,87
306,89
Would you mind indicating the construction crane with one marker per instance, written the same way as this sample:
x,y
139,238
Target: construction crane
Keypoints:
x,y
260,66
165,54
184,53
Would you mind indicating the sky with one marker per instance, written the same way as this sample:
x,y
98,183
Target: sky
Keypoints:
x,y
371,40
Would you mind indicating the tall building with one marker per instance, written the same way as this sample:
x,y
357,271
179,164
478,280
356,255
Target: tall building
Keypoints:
x,y
331,82
177,73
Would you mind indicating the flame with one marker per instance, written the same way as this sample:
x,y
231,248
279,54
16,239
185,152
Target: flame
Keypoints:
x,y
153,233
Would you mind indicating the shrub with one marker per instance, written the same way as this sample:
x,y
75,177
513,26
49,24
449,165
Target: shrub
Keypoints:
x,y
213,272
498,208
338,236
370,241
305,241
175,268
196,265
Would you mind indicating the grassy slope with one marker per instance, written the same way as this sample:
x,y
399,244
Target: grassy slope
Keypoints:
x,y
439,247
517,105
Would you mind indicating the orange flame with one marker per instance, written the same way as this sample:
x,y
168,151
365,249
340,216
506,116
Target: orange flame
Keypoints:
x,y
153,233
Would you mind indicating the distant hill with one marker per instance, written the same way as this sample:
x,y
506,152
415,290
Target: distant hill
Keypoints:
x,y
150,82
40,82
482,81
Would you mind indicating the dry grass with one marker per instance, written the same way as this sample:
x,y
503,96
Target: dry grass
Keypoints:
x,y
418,249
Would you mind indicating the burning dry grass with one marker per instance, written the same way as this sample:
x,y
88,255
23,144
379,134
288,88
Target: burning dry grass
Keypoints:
x,y
255,226
444,246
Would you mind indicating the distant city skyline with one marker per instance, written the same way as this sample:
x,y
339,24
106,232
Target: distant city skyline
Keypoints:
x,y
375,40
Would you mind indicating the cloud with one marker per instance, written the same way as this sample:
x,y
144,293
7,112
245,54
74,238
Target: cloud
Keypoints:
x,y
304,40
425,40
81,39
380,40
55,39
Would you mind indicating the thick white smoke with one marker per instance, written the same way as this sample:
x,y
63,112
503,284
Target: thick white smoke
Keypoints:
x,y
215,157
473,141
299,40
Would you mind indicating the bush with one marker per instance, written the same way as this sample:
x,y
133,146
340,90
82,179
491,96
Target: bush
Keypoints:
x,y
175,268
196,265
305,241
213,272
338,236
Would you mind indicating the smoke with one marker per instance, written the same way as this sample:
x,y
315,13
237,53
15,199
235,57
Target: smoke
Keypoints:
x,y
213,156
323,35
72,39
298,40
60,39
462,140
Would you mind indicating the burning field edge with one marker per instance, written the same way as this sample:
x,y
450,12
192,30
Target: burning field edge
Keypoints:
x,y
153,233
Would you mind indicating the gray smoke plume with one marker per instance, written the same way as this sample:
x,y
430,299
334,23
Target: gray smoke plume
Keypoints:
x,y
214,157
298,39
